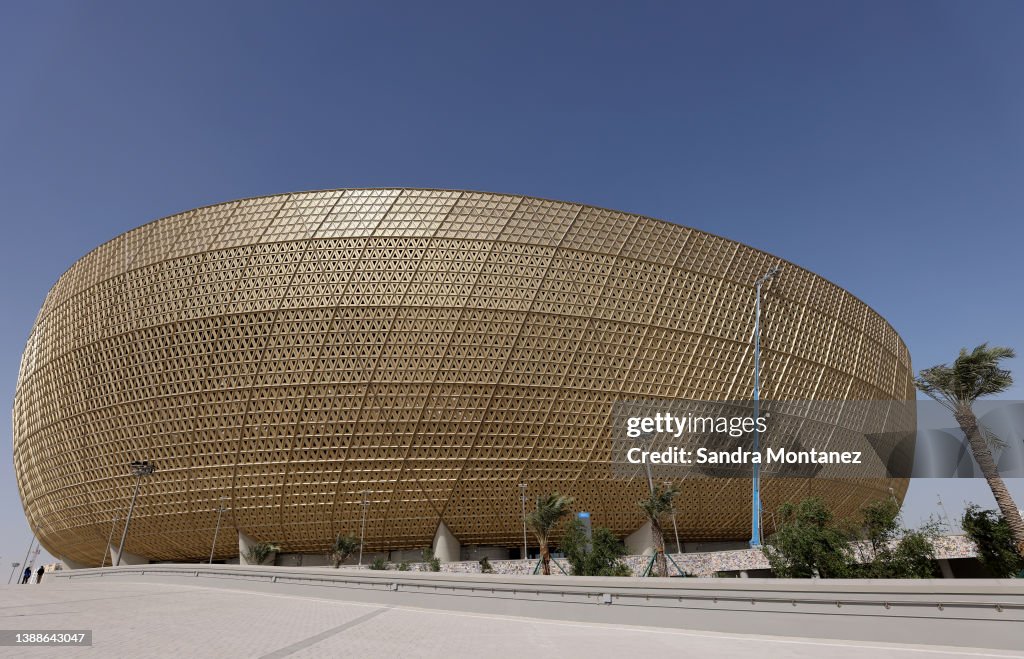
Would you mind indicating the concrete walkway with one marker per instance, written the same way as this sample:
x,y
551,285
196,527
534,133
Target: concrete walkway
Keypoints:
x,y
160,620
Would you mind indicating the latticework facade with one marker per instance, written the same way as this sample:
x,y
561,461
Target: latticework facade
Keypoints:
x,y
431,348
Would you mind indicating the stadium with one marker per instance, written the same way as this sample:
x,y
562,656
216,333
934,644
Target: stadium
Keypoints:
x,y
408,357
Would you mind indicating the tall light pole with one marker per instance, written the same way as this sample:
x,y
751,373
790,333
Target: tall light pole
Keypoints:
x,y
362,532
139,469
14,566
32,565
28,551
648,444
220,511
650,485
110,538
755,509
522,498
674,527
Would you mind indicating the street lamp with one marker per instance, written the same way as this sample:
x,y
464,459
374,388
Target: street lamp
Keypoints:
x,y
32,564
110,538
139,469
674,527
220,511
522,498
650,484
755,509
649,445
362,532
14,566
28,551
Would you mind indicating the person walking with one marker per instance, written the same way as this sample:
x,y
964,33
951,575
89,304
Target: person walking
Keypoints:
x,y
26,575
39,574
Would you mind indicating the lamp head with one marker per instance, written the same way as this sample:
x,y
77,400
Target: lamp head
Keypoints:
x,y
141,468
771,274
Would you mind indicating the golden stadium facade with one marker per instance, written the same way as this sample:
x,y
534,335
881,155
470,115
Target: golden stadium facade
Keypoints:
x,y
431,348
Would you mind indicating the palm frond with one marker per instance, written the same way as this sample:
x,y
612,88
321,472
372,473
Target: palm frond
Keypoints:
x,y
973,375
549,512
992,439
659,502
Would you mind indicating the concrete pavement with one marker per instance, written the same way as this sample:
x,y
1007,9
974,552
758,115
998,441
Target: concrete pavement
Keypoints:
x,y
164,620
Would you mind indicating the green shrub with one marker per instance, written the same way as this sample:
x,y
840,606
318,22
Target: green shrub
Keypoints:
x,y
433,562
894,552
379,563
990,532
807,543
259,552
810,542
603,557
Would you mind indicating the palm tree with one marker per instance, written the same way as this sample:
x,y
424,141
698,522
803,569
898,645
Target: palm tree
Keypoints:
x,y
973,375
550,511
343,547
655,506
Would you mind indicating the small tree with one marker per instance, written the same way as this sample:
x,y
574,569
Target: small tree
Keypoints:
x,y
880,524
808,544
914,555
259,552
655,507
550,511
344,546
431,561
991,534
893,552
603,557
485,566
974,375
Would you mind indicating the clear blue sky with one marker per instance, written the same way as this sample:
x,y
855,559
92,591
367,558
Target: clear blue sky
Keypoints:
x,y
880,144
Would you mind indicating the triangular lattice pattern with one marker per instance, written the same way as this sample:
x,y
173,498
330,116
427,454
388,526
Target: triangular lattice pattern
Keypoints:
x,y
434,348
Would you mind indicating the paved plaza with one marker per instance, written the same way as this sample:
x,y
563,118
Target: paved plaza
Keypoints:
x,y
161,620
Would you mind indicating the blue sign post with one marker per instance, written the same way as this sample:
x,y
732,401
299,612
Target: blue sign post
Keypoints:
x,y
755,512
585,520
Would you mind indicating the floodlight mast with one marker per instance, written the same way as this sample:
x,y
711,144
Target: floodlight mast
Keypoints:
x,y
31,542
675,528
110,538
755,505
139,469
522,497
220,511
365,503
